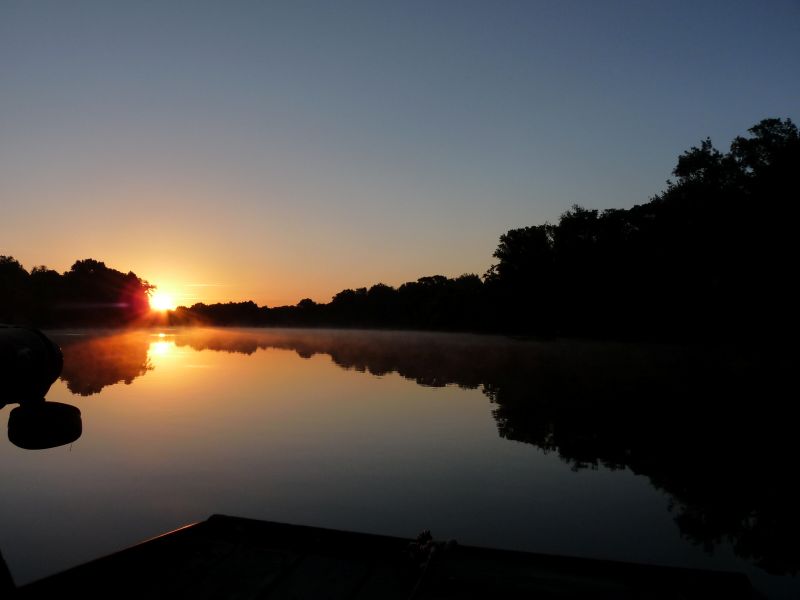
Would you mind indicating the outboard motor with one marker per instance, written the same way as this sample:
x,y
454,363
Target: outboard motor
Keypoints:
x,y
29,364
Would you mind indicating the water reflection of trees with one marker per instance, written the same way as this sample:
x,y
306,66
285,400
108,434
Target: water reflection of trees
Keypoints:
x,y
713,432
709,426
93,362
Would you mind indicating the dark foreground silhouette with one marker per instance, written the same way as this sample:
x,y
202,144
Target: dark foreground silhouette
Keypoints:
x,y
38,425
29,364
244,558
710,425
713,255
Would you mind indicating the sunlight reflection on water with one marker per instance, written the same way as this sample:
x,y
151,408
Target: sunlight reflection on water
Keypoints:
x,y
380,432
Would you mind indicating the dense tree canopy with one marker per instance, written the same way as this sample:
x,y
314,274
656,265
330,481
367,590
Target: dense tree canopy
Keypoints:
x,y
90,293
712,254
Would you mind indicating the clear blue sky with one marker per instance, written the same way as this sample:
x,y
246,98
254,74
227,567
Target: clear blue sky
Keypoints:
x,y
276,150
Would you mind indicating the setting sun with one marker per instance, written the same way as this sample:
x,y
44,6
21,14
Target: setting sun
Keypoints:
x,y
161,301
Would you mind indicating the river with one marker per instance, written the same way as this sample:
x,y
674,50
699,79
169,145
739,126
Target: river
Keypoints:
x,y
619,451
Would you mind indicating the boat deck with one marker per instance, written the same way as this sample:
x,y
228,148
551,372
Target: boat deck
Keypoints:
x,y
230,557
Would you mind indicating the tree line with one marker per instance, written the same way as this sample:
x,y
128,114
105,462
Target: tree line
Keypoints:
x,y
713,254
88,294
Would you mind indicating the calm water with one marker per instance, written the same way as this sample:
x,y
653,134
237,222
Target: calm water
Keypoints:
x,y
590,449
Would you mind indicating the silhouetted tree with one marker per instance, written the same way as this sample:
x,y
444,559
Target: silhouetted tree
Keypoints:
x,y
711,255
90,293
95,293
14,290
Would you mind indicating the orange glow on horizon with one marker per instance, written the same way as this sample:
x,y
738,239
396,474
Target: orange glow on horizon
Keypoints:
x,y
161,301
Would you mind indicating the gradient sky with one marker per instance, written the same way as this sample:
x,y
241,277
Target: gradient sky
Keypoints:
x,y
280,150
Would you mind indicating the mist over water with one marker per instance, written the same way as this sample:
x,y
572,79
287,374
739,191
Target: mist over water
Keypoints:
x,y
565,447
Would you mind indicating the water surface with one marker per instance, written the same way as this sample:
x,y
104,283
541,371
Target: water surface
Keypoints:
x,y
618,451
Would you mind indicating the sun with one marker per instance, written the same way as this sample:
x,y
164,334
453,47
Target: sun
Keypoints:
x,y
162,301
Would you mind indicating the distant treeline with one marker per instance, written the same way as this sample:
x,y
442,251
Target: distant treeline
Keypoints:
x,y
714,254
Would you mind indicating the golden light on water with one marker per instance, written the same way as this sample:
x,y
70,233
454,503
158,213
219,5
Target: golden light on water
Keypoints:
x,y
160,348
162,301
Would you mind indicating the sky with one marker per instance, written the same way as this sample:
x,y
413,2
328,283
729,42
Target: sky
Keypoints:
x,y
280,150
